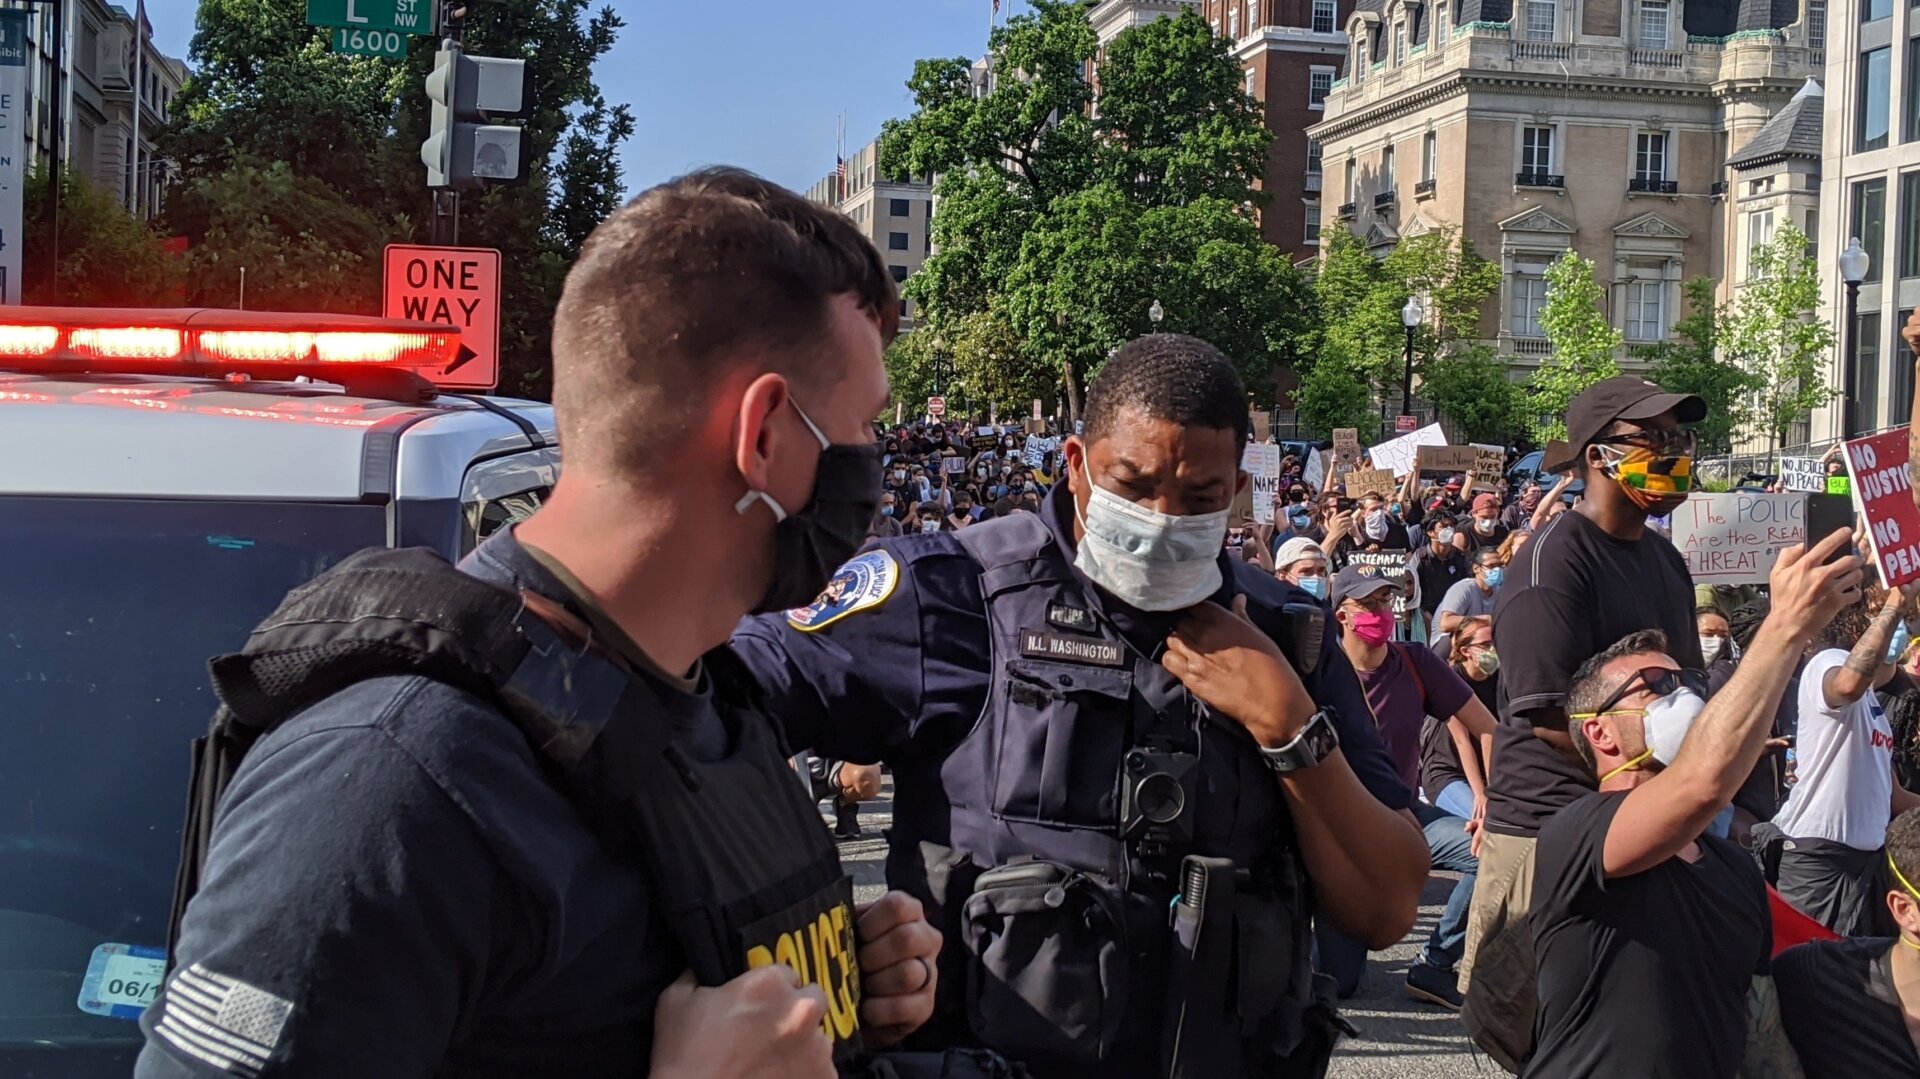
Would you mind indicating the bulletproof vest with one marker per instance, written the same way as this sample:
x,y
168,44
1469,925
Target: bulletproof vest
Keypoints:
x,y
737,859
1090,776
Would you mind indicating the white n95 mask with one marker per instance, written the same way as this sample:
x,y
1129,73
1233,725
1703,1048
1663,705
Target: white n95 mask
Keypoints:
x,y
1150,561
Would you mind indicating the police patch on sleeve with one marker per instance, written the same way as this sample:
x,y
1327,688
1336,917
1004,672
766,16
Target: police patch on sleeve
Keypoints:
x,y
865,582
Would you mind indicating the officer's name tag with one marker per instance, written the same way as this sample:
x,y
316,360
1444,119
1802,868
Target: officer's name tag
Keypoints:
x,y
1038,644
1072,618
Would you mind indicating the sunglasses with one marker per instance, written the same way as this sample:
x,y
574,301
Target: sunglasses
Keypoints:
x,y
1679,442
1659,681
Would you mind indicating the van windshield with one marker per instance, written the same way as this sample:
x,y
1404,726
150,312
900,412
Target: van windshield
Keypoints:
x,y
109,611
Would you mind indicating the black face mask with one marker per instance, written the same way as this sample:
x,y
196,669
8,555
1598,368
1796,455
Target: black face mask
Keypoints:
x,y
810,544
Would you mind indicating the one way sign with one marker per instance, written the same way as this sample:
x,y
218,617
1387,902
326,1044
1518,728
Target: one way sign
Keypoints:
x,y
459,286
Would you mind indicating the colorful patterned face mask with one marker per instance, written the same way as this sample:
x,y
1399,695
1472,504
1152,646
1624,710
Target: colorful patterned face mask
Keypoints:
x,y
1650,480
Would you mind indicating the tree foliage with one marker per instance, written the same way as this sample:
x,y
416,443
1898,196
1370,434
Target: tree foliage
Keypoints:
x,y
107,257
1470,387
1691,363
1058,229
1584,345
1772,334
346,131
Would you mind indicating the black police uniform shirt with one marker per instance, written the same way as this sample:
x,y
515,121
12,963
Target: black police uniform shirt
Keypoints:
x,y
905,674
396,889
1437,573
1643,975
1841,1011
1571,591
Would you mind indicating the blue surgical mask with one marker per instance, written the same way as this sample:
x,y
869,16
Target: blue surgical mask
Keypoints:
x,y
1495,576
886,511
1901,638
1314,586
1299,520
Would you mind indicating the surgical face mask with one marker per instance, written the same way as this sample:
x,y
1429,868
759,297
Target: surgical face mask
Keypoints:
x,y
1444,536
1496,576
810,543
1313,586
1664,725
1898,644
1376,525
899,476
1372,627
1488,661
1394,509
1483,525
1710,648
1299,520
886,511
1655,484
929,526
1150,561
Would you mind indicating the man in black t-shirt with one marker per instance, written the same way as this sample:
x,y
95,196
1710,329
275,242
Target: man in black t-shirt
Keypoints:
x,y
1649,931
1587,579
1438,564
1851,1007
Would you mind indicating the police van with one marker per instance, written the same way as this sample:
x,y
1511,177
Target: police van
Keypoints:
x,y
166,476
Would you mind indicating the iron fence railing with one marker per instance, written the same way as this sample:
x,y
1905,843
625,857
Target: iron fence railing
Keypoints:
x,y
1730,468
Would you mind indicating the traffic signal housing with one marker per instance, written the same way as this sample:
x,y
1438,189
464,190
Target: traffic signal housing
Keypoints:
x,y
464,148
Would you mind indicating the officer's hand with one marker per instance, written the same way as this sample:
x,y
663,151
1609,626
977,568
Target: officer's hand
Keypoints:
x,y
1238,671
762,1023
897,973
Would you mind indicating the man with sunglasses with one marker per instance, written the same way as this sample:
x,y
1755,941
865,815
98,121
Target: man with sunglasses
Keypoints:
x,y
1649,929
1588,578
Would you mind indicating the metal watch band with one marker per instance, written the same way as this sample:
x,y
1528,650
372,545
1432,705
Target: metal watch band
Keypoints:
x,y
1316,740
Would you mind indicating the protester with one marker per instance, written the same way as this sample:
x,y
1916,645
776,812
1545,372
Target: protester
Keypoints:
x,y
1587,579
1436,566
1300,562
1510,547
964,512
1453,760
1518,516
1851,1007
929,518
1901,699
1649,932
1483,527
1473,597
1835,816
1405,683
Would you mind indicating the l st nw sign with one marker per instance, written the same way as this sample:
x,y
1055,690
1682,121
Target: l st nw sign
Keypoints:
x,y
457,286
396,16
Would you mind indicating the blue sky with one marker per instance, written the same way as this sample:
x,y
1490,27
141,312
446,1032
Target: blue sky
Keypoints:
x,y
755,83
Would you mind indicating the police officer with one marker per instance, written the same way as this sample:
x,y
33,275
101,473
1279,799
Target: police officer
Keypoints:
x,y
403,882
1113,791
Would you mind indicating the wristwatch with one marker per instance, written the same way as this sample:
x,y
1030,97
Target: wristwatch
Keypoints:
x,y
1311,746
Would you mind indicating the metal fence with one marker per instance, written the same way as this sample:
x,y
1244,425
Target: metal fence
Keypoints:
x,y
1730,468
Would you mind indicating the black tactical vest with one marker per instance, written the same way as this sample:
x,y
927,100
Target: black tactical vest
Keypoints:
x,y
1089,777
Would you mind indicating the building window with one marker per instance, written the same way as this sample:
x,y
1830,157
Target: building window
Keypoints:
x,y
1324,13
1441,11
1913,84
1319,84
1908,240
899,207
1536,150
1353,182
1869,223
1872,107
1759,235
1250,92
1313,155
1360,58
1529,297
899,273
1253,15
1862,394
1646,311
896,241
1816,24
1650,157
1429,156
1313,222
1399,43
1871,10
1540,20
1653,24
1386,169
1902,372
1233,22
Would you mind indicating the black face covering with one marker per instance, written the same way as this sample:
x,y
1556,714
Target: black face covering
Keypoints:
x,y
810,544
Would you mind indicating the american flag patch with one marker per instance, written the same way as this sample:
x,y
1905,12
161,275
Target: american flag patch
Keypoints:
x,y
222,1021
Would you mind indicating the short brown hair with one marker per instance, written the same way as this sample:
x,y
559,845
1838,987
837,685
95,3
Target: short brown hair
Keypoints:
x,y
1590,688
682,282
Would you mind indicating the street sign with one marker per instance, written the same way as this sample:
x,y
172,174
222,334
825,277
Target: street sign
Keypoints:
x,y
386,44
1403,424
459,286
936,407
398,16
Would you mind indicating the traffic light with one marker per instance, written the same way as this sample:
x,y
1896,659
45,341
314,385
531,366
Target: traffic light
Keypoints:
x,y
463,150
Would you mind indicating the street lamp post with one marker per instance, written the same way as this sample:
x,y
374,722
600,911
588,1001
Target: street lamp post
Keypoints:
x,y
1410,317
1853,270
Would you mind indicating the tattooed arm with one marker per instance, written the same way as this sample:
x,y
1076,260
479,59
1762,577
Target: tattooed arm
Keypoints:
x,y
1866,665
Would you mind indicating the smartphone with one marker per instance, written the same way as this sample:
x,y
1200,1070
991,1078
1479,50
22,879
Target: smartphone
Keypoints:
x,y
1824,515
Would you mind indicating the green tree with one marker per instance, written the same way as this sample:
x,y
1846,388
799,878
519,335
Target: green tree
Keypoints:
x,y
266,88
107,257
1691,363
1469,385
1584,345
1772,334
1058,231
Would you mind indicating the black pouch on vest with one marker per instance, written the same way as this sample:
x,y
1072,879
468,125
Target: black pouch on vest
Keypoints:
x,y
1047,972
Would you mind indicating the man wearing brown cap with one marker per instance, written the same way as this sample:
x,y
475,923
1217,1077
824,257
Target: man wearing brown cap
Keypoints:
x,y
1588,578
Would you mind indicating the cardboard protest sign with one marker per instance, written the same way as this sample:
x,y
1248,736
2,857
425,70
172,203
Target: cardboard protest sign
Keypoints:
x,y
1803,474
1444,458
953,464
1346,450
1262,426
1734,538
1396,455
1241,512
1262,464
1878,466
1036,426
985,437
1036,450
1314,473
1556,451
1489,465
1377,481
1036,408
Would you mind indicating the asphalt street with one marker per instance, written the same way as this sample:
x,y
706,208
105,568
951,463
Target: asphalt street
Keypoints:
x,y
1399,1038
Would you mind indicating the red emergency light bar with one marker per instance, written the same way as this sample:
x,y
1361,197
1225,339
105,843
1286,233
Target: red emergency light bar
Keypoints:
x,y
210,341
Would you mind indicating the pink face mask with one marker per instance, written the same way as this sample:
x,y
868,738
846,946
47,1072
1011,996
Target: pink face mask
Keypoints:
x,y
1373,627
